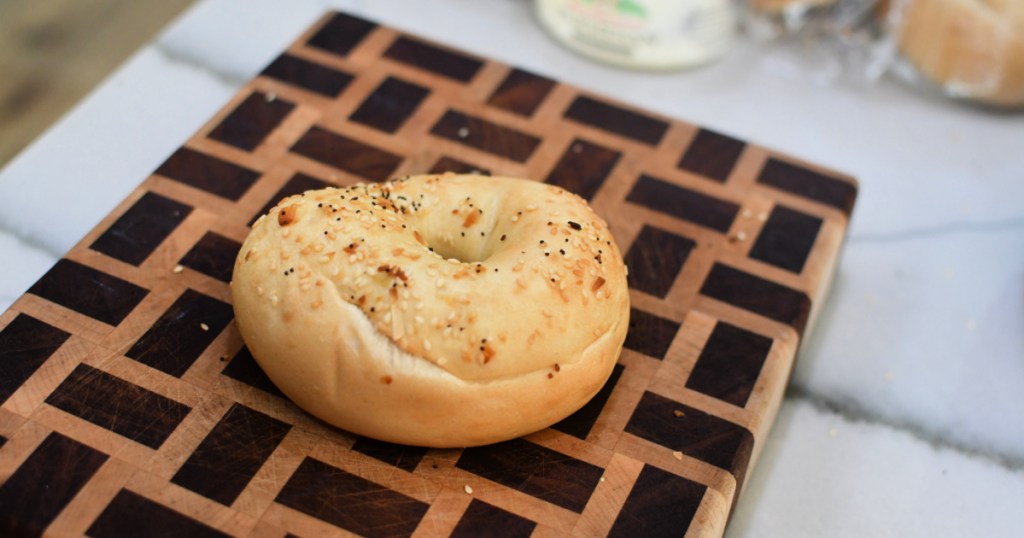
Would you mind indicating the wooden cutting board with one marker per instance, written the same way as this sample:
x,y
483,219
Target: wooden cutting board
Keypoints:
x,y
130,405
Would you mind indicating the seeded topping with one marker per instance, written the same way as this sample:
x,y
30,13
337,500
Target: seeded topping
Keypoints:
x,y
286,216
420,263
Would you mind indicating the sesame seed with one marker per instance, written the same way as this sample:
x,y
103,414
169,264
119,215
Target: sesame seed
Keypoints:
x,y
204,326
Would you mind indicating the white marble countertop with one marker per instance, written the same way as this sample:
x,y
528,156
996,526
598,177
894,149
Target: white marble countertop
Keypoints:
x,y
905,416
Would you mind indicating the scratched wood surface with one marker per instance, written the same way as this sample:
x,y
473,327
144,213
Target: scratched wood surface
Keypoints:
x,y
130,405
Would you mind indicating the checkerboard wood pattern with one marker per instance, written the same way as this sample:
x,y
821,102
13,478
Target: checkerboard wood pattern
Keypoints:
x,y
130,405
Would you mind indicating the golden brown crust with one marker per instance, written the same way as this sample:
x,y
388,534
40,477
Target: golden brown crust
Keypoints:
x,y
973,48
432,310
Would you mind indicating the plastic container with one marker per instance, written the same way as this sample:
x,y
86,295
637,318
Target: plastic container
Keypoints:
x,y
642,34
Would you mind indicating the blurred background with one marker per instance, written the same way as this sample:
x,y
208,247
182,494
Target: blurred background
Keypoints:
x,y
52,53
904,413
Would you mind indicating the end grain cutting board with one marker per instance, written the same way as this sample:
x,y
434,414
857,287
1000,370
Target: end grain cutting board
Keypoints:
x,y
130,405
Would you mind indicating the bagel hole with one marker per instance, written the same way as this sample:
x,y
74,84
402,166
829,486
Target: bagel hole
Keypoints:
x,y
462,252
468,249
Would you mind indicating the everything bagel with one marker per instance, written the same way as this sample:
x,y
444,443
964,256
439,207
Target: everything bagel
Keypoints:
x,y
442,310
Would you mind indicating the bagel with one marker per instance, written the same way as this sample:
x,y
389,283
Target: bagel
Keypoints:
x,y
973,49
440,310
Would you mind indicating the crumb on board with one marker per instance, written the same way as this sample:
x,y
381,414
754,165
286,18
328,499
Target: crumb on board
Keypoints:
x,y
738,237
